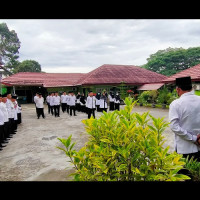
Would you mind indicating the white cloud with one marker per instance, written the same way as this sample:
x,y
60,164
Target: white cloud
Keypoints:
x,y
78,45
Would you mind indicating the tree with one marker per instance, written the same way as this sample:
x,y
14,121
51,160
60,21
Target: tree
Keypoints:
x,y
9,46
28,66
173,60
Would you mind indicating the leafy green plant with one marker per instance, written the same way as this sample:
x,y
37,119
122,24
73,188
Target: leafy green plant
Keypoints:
x,y
194,167
164,96
144,97
124,146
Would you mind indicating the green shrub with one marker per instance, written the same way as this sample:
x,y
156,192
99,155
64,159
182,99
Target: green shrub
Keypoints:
x,y
164,96
124,146
144,97
194,167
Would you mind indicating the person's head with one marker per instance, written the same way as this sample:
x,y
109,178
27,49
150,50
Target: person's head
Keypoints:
x,y
52,94
64,93
40,95
72,93
37,94
4,98
183,85
90,94
13,97
9,96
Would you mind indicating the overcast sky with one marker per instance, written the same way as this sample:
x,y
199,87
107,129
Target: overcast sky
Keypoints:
x,y
73,45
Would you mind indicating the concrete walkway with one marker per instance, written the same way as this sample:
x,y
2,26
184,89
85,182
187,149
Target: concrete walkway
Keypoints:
x,y
31,155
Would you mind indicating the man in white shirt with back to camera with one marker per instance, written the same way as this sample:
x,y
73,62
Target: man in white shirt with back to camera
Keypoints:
x,y
184,117
40,106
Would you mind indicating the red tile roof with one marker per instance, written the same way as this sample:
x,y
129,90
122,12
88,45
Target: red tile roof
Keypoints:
x,y
193,72
115,74
105,74
151,86
43,79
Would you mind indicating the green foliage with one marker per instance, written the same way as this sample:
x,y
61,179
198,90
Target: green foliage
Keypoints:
x,y
124,146
194,167
153,94
28,66
123,93
9,46
197,92
173,60
164,96
144,97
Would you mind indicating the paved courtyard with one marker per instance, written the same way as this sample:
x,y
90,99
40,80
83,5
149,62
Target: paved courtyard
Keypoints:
x,y
31,155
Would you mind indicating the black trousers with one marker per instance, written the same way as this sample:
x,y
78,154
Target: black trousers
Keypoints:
x,y
49,108
57,110
15,125
98,109
40,112
112,104
52,109
64,107
6,129
104,109
78,106
11,125
2,135
67,108
74,109
19,118
117,106
91,111
194,155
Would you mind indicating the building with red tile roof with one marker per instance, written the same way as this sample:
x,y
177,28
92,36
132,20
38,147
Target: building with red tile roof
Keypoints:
x,y
107,76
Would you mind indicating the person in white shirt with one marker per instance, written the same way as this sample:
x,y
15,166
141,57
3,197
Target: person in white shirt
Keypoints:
x,y
103,102
14,100
34,99
184,116
78,105
51,103
91,104
98,96
6,120
111,98
48,102
56,102
72,103
11,114
19,114
1,129
117,102
67,100
63,102
40,106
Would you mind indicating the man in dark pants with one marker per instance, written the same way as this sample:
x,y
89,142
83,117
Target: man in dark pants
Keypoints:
x,y
91,104
72,103
56,102
184,120
11,114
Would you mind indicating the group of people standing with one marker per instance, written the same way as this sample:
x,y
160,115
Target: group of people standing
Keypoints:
x,y
10,117
71,103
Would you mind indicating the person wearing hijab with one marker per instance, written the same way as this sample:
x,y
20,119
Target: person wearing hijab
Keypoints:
x,y
98,96
78,106
82,103
103,102
111,98
117,102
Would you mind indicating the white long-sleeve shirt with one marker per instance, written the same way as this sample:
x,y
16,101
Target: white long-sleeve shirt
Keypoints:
x,y
40,102
184,118
91,102
63,98
4,109
1,118
56,100
72,100
10,108
51,102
